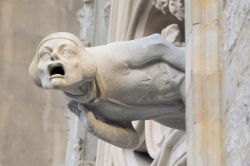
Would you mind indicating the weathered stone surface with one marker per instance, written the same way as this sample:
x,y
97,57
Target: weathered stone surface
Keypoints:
x,y
32,122
237,82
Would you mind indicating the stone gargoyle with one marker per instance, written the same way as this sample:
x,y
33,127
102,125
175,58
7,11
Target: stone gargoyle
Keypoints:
x,y
112,85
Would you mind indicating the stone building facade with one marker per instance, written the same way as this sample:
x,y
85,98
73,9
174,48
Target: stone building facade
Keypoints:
x,y
217,75
215,34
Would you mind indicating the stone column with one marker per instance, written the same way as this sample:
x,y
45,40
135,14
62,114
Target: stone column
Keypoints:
x,y
203,82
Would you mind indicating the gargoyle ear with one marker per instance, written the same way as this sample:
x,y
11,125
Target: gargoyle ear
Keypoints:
x,y
33,71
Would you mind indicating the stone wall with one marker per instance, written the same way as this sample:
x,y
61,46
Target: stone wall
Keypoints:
x,y
33,126
237,82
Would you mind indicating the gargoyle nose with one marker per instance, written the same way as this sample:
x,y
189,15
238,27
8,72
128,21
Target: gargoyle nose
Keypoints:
x,y
54,57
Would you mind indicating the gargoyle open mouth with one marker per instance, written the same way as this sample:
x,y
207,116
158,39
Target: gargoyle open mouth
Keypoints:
x,y
56,70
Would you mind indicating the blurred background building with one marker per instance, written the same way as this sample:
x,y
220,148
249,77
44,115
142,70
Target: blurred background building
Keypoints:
x,y
33,124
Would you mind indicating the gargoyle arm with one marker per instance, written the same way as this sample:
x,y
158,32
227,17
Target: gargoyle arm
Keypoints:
x,y
155,48
123,136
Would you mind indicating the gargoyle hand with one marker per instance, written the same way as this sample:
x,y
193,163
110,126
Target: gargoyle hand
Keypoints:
x,y
83,114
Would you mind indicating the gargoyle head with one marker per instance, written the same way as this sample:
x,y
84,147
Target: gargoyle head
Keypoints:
x,y
57,63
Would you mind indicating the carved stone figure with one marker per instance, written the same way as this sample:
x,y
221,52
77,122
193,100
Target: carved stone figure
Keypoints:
x,y
109,86
175,7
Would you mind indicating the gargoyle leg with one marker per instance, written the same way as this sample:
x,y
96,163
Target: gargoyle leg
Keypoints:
x,y
123,136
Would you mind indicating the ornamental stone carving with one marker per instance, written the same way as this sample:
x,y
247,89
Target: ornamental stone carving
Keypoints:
x,y
175,7
112,85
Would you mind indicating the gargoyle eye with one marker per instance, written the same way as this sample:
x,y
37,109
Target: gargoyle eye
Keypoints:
x,y
68,52
45,55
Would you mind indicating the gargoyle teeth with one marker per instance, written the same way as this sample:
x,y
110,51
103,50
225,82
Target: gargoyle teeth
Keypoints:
x,y
56,68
